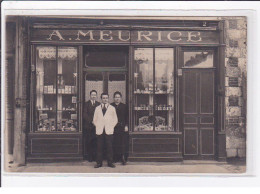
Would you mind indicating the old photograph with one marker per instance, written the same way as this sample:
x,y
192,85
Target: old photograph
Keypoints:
x,y
125,94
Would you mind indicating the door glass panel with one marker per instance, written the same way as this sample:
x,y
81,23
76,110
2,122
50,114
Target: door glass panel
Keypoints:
x,y
143,89
164,85
117,82
202,59
67,89
94,81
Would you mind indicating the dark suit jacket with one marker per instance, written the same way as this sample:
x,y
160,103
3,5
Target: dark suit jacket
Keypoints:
x,y
122,114
88,114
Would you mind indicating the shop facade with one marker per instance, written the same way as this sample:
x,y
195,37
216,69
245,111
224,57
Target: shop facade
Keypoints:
x,y
171,74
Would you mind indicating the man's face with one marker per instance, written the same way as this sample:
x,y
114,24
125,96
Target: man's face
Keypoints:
x,y
104,99
117,98
93,96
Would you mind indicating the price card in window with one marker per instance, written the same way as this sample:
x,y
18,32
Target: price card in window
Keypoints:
x,y
74,99
43,116
73,116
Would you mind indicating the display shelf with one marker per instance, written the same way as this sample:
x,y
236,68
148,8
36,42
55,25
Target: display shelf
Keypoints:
x,y
66,94
151,93
67,110
46,110
140,108
71,110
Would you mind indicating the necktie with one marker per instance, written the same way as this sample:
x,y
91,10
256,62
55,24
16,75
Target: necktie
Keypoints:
x,y
104,109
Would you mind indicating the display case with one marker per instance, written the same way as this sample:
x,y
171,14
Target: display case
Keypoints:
x,y
56,89
153,89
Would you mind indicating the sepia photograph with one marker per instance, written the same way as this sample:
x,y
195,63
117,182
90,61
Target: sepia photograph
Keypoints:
x,y
125,94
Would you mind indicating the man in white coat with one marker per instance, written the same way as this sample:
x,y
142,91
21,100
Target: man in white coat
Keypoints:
x,y
105,119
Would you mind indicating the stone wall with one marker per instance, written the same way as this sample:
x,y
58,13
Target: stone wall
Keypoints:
x,y
235,85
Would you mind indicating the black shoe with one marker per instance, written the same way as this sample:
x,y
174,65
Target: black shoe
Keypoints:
x,y
98,166
123,160
111,165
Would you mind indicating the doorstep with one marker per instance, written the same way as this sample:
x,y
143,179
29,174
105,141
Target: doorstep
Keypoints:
x,y
203,162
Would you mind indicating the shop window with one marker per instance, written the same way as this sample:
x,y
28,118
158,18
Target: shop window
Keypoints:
x,y
202,59
154,89
56,89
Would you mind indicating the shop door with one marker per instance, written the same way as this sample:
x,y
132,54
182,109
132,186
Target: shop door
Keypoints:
x,y
108,82
105,71
197,84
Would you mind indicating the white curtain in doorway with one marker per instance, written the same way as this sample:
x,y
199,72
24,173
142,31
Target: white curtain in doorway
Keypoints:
x,y
93,85
114,86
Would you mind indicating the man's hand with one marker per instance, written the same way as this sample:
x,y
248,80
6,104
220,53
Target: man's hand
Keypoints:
x,y
126,128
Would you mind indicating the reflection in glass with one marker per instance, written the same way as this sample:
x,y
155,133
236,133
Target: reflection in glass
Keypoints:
x,y
203,59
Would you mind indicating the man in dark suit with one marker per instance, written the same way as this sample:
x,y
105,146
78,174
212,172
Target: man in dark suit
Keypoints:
x,y
89,130
121,134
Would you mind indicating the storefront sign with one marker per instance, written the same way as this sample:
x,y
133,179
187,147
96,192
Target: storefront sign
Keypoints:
x,y
127,37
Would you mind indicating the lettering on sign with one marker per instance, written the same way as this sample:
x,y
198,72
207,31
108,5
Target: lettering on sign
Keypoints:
x,y
126,36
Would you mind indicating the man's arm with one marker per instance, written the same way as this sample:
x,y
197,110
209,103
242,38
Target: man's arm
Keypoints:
x,y
126,118
114,117
95,117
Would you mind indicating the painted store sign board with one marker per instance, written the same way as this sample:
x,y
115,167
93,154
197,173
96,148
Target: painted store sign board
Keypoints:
x,y
126,36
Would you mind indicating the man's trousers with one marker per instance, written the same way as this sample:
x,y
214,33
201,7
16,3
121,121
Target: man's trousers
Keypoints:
x,y
106,140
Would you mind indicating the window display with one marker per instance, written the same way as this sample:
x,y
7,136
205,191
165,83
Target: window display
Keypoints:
x,y
56,89
153,89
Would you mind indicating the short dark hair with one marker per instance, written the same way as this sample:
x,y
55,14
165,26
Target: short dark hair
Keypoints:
x,y
104,94
93,91
117,92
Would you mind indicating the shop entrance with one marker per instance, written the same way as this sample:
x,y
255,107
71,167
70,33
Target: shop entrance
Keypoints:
x,y
197,84
106,69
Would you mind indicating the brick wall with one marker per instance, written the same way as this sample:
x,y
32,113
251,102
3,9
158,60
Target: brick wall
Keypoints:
x,y
235,85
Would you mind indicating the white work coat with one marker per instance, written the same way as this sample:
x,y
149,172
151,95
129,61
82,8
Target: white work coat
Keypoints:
x,y
105,122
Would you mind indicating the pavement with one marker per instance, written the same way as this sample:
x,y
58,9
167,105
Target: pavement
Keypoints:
x,y
187,166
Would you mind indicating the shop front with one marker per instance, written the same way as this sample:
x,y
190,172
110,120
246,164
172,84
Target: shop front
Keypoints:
x,y
170,74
